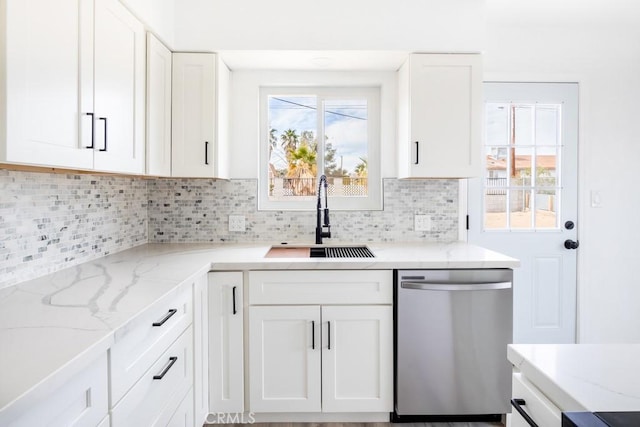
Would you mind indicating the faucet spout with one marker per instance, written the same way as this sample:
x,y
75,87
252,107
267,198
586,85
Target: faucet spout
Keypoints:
x,y
321,224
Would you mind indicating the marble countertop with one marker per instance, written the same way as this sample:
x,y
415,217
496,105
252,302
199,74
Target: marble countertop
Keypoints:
x,y
51,326
582,377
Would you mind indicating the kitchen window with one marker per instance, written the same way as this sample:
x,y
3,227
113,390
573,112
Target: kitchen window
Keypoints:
x,y
309,132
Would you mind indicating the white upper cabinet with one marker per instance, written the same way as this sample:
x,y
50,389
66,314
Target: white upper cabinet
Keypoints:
x,y
200,120
439,116
158,108
54,59
119,89
46,51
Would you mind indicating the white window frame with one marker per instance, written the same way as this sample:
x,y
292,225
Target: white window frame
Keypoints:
x,y
373,200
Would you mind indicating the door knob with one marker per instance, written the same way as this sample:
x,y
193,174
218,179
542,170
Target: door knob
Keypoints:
x,y
571,244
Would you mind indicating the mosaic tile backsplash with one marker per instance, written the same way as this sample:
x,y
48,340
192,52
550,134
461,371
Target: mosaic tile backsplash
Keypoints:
x,y
189,210
51,221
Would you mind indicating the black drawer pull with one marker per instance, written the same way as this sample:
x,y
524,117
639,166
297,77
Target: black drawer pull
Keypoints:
x,y
167,317
161,375
328,335
518,404
313,335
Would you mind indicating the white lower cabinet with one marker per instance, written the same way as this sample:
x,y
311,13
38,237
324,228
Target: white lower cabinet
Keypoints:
x,y
81,401
184,415
200,350
534,403
357,374
226,343
284,359
320,358
154,399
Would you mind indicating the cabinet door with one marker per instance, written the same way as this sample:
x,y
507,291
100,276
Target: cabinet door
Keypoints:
x,y
193,99
200,349
284,359
226,332
158,108
440,129
119,89
48,52
357,359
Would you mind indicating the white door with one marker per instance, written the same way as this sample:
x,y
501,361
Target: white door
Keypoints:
x,y
357,359
49,83
226,332
119,89
525,205
284,359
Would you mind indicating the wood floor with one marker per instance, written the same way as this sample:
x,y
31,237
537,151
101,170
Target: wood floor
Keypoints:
x,y
463,424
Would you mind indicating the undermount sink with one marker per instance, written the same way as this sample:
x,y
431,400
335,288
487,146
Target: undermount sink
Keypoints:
x,y
319,252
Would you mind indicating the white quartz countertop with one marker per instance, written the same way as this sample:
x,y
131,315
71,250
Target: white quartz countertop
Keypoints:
x,y
51,326
583,377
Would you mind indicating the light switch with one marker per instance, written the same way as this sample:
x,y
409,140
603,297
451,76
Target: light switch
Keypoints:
x,y
596,199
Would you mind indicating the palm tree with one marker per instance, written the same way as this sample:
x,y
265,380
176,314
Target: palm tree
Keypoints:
x,y
362,168
289,140
273,141
303,169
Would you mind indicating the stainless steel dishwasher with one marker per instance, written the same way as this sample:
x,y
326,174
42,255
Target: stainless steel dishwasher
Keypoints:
x,y
452,331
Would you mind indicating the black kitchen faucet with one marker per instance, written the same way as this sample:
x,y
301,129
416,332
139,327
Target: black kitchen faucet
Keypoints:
x,y
319,224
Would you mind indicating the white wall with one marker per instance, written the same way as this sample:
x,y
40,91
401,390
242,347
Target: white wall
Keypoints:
x,y
429,25
157,15
245,111
596,43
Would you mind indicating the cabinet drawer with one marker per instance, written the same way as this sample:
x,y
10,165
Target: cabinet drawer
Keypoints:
x,y
81,401
140,343
321,287
539,408
157,395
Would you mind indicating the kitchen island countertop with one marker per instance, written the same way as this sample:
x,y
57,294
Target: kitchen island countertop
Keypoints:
x,y
52,326
582,377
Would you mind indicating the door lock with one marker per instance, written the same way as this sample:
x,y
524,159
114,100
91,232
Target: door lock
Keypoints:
x,y
571,244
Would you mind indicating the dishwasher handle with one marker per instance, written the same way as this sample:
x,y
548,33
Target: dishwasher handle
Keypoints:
x,y
435,286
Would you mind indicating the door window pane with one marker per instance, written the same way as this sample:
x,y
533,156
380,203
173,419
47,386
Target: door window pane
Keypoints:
x,y
520,209
546,204
522,164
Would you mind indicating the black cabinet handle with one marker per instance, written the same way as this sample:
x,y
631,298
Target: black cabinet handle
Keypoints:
x,y
313,335
518,404
93,130
105,133
165,318
206,152
233,291
328,335
161,375
417,152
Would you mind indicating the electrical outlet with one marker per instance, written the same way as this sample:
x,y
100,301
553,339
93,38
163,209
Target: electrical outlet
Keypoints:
x,y
237,223
421,222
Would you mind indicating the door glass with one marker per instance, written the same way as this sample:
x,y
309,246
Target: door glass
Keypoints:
x,y
522,160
